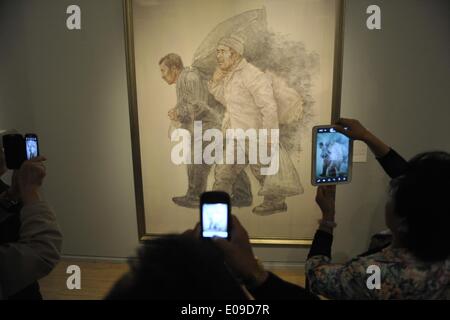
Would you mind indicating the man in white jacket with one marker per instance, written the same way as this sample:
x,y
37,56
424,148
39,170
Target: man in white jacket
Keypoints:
x,y
37,250
247,94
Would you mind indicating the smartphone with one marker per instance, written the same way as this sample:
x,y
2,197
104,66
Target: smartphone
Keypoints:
x,y
215,215
31,145
14,150
331,156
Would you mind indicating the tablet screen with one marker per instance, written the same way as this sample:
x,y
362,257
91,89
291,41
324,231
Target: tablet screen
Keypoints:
x,y
332,157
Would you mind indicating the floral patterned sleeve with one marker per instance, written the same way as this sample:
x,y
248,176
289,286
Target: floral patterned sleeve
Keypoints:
x,y
338,281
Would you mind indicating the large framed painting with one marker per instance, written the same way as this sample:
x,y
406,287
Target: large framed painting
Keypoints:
x,y
223,95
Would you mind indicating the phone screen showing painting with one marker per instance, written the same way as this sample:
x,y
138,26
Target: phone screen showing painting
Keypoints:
x,y
215,220
332,157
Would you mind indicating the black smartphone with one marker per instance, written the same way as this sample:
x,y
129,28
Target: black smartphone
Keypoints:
x,y
31,145
14,149
215,215
331,156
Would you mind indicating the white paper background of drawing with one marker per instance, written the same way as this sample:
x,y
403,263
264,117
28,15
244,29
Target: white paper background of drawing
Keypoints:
x,y
179,27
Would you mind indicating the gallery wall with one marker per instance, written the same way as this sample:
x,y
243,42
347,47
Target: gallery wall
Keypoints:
x,y
75,88
70,87
396,82
14,111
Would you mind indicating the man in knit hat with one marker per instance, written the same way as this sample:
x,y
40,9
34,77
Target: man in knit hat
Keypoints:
x,y
247,94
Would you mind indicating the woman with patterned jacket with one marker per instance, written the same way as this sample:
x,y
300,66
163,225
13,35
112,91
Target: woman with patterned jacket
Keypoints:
x,y
416,264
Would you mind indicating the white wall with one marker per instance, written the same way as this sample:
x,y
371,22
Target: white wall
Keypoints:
x,y
74,84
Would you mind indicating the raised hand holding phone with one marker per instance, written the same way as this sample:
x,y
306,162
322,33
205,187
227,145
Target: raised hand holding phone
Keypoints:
x,y
239,255
17,149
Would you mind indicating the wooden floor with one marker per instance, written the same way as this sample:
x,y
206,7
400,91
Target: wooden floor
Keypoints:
x,y
97,278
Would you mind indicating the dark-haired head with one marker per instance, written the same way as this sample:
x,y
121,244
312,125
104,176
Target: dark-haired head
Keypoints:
x,y
170,66
418,212
178,267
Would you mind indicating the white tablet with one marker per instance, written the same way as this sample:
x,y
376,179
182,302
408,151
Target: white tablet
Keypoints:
x,y
331,156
